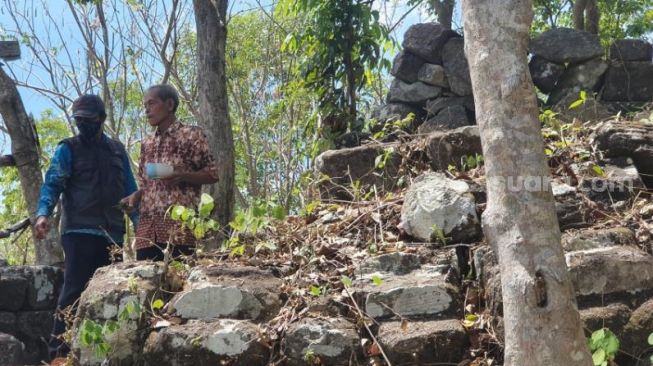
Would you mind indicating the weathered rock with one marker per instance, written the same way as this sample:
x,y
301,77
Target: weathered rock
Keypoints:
x,y
416,93
445,148
392,112
219,342
8,323
406,66
3,262
396,263
112,291
217,291
592,239
424,292
583,76
634,339
610,270
13,287
620,180
35,325
447,119
456,68
563,45
590,110
545,74
45,282
632,139
423,342
631,50
426,40
613,317
345,166
434,106
351,139
629,81
332,341
11,350
435,200
433,75
570,208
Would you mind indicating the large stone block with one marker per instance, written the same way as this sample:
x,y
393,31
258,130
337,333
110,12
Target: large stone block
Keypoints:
x,y
456,67
434,201
332,341
433,75
406,66
631,50
545,74
603,238
11,350
629,81
584,76
217,291
423,342
218,342
426,40
447,119
13,287
566,45
415,93
445,148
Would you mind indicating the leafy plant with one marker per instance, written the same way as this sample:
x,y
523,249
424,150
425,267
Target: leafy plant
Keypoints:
x,y
257,217
437,235
604,345
377,280
580,101
199,222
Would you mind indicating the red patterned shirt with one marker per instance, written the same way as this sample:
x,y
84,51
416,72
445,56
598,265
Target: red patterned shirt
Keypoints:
x,y
184,147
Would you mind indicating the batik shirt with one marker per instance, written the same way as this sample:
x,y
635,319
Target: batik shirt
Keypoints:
x,y
184,147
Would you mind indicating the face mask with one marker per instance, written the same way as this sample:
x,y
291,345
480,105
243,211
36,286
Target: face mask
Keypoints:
x,y
88,130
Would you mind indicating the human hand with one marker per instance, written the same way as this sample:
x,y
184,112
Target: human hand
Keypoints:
x,y
177,177
129,203
41,227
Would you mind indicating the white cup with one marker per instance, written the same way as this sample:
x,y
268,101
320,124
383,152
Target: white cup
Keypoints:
x,y
158,170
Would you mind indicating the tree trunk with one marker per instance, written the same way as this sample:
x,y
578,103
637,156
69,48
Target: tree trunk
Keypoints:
x,y
211,23
542,325
26,156
444,10
586,16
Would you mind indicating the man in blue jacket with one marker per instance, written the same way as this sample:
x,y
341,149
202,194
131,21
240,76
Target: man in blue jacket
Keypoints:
x,y
91,172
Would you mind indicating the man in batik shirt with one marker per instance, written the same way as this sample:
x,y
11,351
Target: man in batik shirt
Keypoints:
x,y
186,149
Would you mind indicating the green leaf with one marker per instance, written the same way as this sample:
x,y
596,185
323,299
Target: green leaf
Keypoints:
x,y
548,152
176,212
377,280
206,205
583,95
598,357
346,281
157,304
315,290
650,339
576,104
598,170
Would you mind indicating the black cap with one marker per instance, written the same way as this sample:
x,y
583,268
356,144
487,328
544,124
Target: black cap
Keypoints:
x,y
88,106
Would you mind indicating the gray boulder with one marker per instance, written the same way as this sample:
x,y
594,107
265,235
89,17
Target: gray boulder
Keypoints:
x,y
456,68
449,147
415,93
631,50
8,322
13,286
218,342
433,200
569,205
634,340
406,66
584,76
434,106
327,341
11,350
545,74
396,263
433,75
345,166
392,112
423,342
566,45
425,292
449,118
613,317
591,110
426,41
610,270
629,81
217,291
592,238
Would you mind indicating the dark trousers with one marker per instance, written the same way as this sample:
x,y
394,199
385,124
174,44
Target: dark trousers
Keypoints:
x,y
84,253
156,254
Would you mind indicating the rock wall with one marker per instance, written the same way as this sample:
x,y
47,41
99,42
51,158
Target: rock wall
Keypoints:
x,y
28,297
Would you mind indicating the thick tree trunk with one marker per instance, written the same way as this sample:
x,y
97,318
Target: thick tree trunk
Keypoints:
x,y
26,157
211,23
444,10
586,16
542,325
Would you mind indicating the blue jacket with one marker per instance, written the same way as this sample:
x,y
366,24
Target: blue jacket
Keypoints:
x,y
56,180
